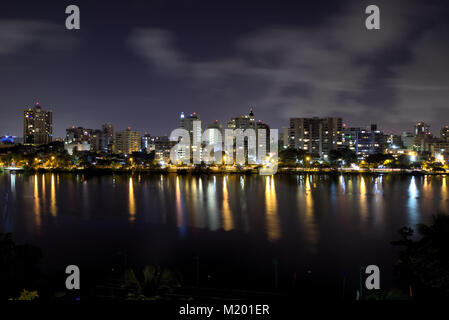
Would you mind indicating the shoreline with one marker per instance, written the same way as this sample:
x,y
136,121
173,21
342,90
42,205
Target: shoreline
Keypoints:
x,y
210,171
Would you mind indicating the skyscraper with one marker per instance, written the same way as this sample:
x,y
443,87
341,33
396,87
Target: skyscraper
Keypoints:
x,y
37,125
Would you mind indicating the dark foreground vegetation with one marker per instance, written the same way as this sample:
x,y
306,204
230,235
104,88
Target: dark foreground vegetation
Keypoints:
x,y
421,273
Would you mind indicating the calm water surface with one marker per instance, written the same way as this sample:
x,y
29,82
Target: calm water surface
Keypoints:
x,y
317,227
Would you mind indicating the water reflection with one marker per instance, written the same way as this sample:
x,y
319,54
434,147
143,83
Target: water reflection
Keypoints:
x,y
13,182
342,183
180,221
413,202
273,227
306,210
43,187
37,207
214,223
245,204
444,195
53,206
200,205
427,192
378,201
228,223
363,200
131,201
192,203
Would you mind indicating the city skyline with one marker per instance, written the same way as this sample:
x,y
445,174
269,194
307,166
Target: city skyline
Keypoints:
x,y
157,59
321,137
366,124
224,158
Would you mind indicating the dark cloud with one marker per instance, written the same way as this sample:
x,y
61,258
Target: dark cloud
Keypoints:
x,y
338,67
326,64
19,35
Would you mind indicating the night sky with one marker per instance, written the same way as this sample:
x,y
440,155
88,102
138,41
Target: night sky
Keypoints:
x,y
140,63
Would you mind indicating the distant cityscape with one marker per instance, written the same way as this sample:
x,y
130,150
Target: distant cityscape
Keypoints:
x,y
318,141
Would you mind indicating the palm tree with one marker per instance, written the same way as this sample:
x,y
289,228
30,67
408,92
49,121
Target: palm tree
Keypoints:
x,y
154,282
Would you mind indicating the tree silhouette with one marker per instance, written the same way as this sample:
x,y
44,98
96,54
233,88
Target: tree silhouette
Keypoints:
x,y
423,265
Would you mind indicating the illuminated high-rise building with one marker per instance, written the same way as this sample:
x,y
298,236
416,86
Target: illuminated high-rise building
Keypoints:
x,y
195,131
422,129
248,122
145,142
186,122
37,125
127,141
422,135
316,135
243,122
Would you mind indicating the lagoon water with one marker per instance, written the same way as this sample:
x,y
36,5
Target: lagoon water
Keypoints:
x,y
313,228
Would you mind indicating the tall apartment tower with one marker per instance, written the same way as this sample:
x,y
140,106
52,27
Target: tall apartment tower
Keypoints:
x,y
127,141
186,122
248,121
195,132
102,139
316,135
243,122
37,125
107,136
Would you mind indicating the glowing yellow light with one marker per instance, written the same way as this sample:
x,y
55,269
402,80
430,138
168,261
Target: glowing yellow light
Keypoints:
x,y
37,208
132,203
228,223
53,208
273,227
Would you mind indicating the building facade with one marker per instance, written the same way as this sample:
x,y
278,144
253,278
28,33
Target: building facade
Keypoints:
x,y
37,126
127,141
364,140
186,122
316,135
78,135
